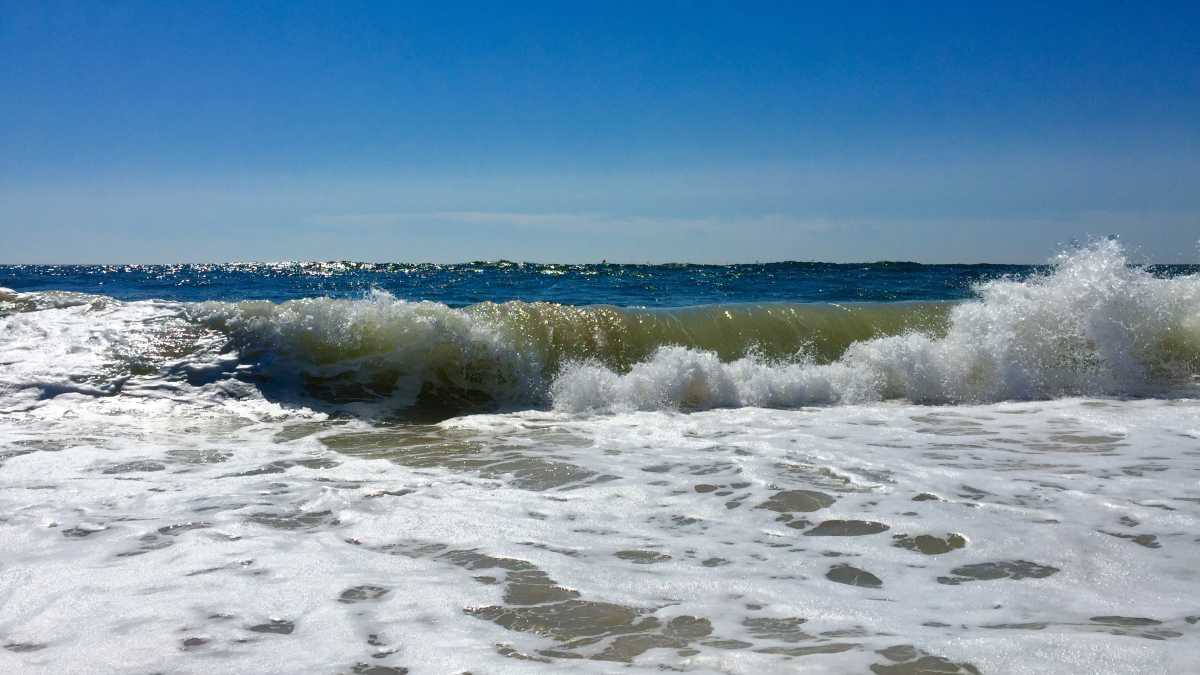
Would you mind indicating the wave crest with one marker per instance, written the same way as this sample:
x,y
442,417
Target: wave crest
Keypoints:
x,y
1091,326
398,354
379,350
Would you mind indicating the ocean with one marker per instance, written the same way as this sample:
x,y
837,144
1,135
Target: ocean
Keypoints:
x,y
500,467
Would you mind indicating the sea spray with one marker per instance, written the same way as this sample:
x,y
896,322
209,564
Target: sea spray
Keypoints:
x,y
403,353
1089,325
1092,325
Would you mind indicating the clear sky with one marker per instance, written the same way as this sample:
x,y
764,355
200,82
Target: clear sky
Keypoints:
x,y
562,131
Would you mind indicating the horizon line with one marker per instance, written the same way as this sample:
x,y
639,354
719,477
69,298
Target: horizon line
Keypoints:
x,y
505,261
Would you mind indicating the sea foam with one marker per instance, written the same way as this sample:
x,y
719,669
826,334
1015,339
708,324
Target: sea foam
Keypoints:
x,y
1093,325
180,496
1089,325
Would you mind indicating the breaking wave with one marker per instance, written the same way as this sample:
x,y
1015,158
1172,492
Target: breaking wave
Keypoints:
x,y
1090,325
383,349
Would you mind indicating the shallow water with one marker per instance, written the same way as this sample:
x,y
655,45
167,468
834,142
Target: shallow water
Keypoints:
x,y
1017,537
210,488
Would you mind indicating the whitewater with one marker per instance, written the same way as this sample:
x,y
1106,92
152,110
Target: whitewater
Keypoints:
x,y
1003,477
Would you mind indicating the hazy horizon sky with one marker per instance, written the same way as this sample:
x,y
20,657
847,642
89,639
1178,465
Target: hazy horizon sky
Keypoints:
x,y
700,132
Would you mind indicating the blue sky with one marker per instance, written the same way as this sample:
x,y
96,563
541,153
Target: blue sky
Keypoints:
x,y
708,132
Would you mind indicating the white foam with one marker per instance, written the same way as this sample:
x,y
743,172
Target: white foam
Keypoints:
x,y
1094,326
1065,484
156,504
407,344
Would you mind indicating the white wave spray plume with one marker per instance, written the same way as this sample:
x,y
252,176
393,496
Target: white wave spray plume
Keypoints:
x,y
1092,325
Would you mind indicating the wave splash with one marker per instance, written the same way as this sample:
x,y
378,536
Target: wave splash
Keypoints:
x,y
379,352
1092,326
389,353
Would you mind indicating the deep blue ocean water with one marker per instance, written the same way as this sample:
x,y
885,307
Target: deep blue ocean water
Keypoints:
x,y
458,285
469,283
